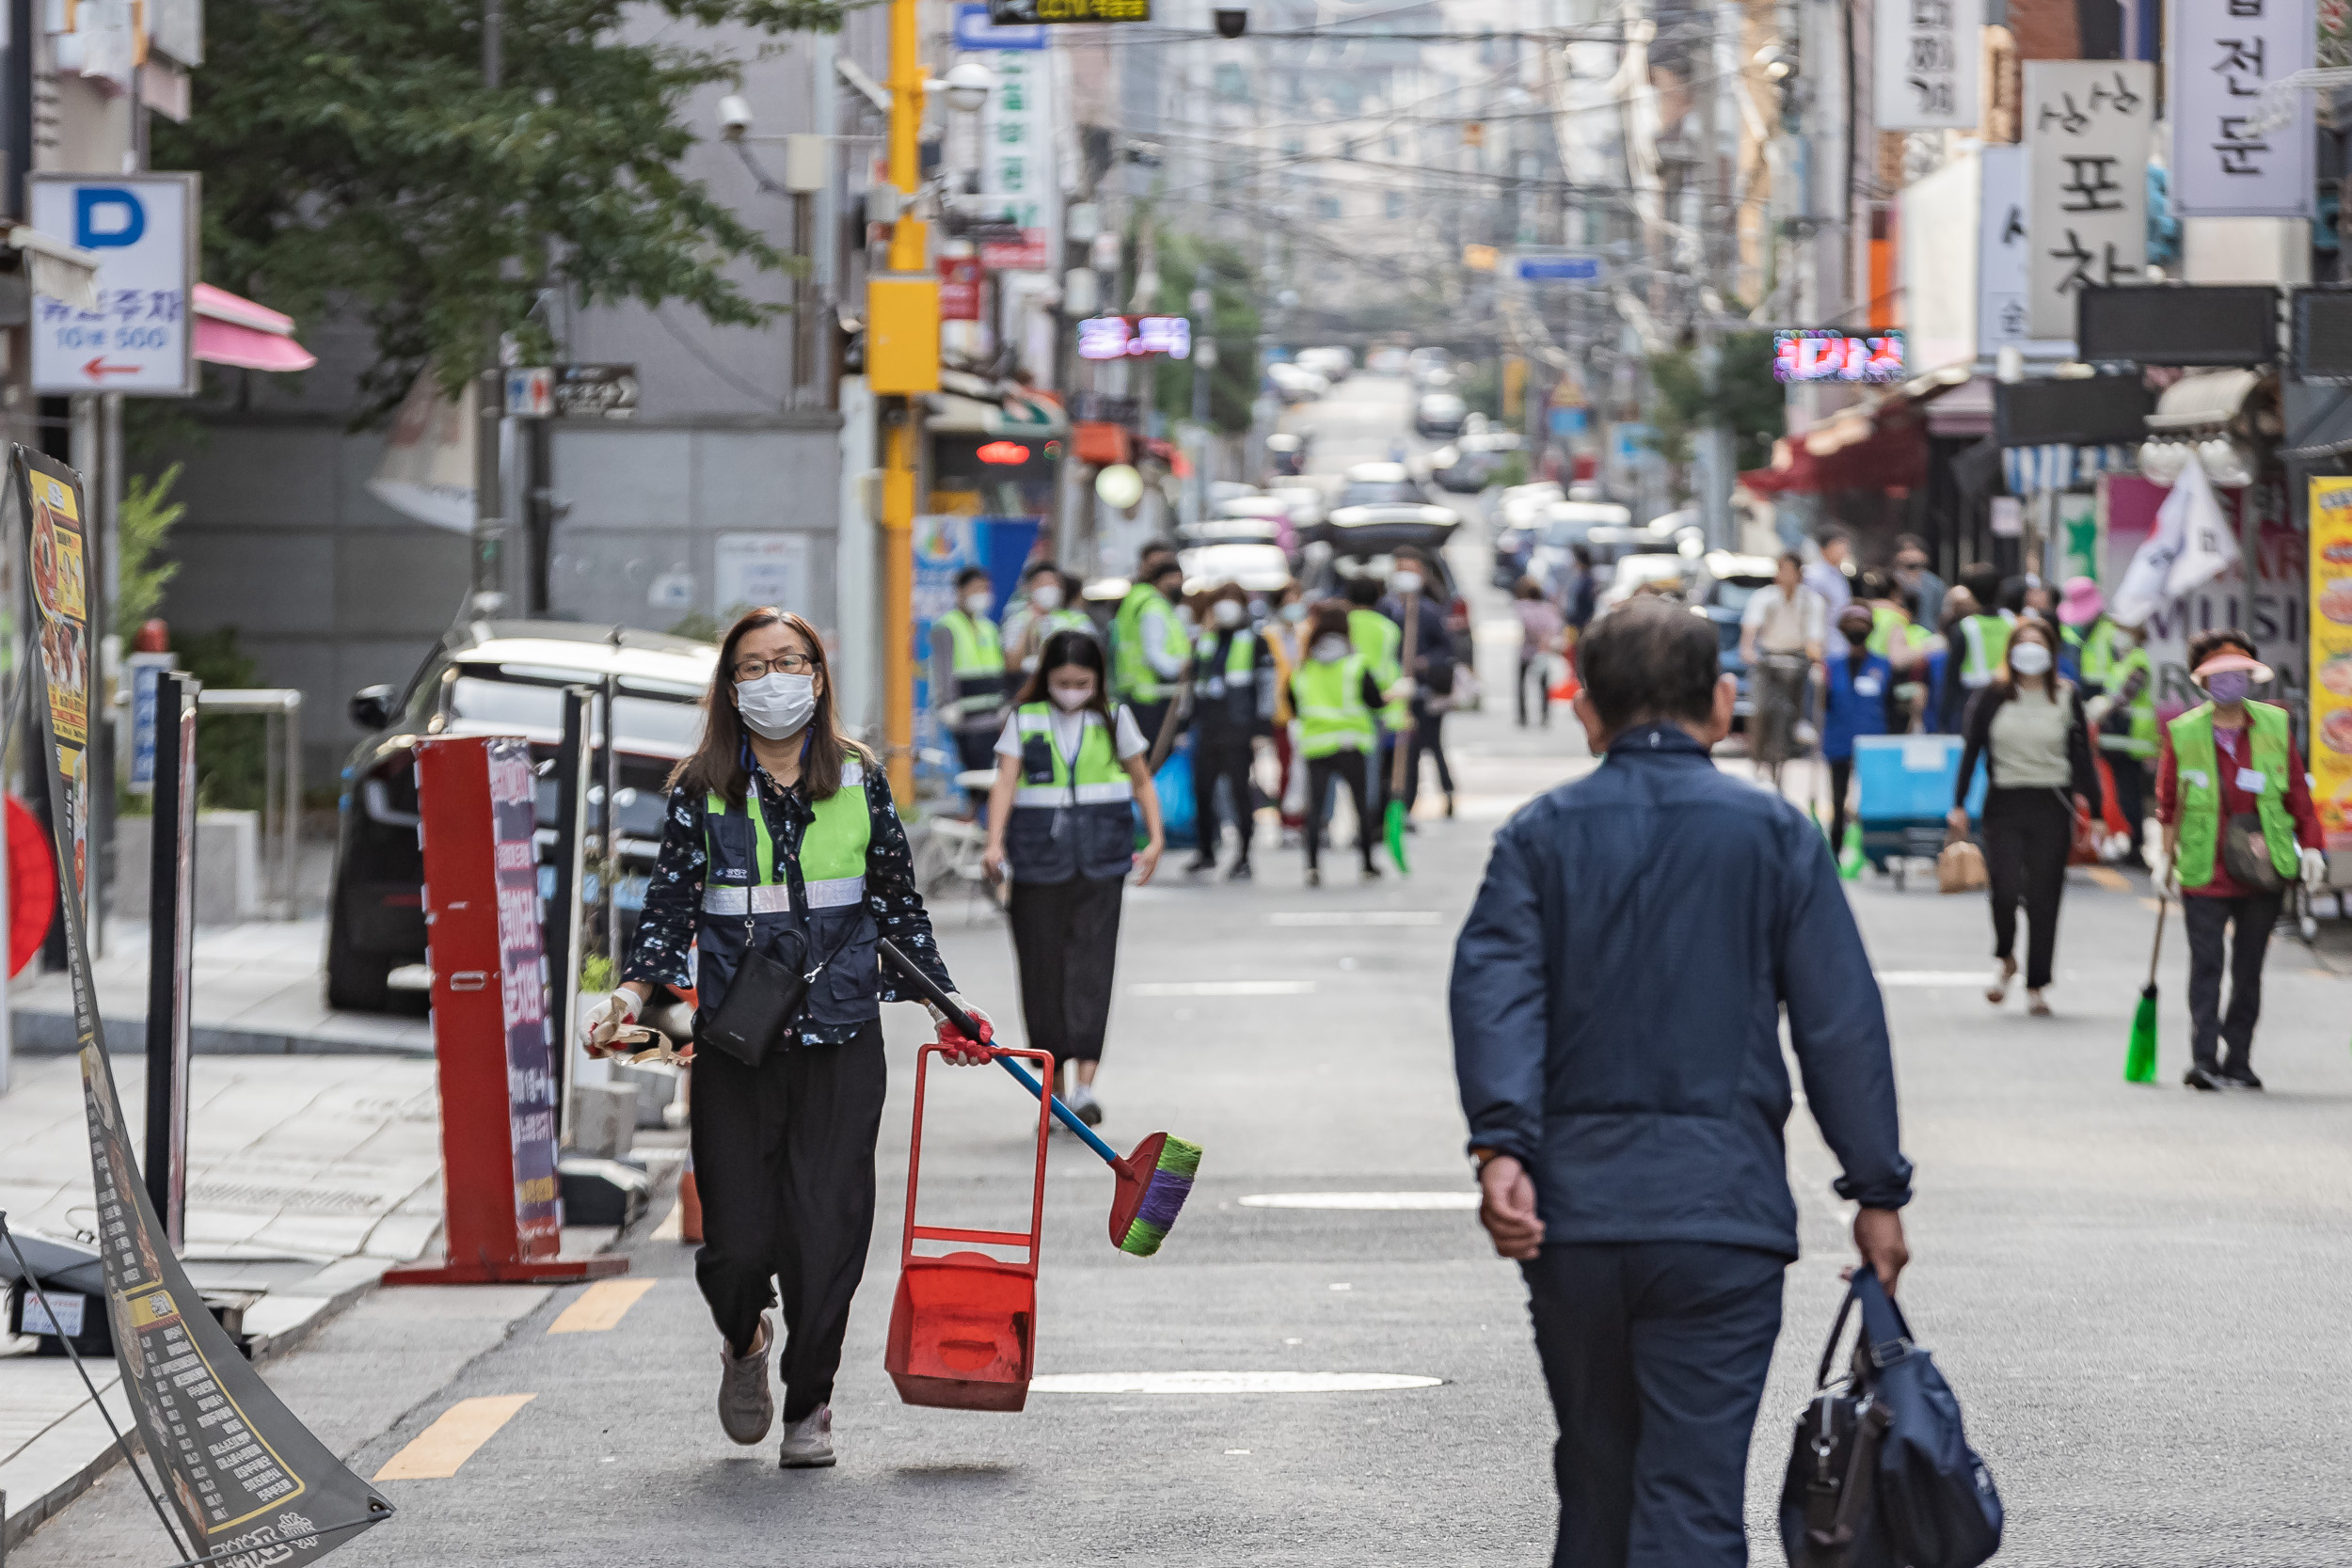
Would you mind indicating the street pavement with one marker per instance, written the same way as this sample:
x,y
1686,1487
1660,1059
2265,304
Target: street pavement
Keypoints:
x,y
2133,1289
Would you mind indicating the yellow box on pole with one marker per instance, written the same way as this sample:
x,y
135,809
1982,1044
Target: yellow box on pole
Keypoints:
x,y
902,335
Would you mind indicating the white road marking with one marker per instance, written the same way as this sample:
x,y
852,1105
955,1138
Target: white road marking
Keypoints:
x,y
1354,917
1456,1199
1228,1382
1222,987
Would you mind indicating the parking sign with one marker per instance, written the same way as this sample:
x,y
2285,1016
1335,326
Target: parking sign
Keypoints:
x,y
142,337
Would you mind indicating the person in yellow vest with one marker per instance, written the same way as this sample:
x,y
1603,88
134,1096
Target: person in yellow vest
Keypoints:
x,y
1149,644
1285,634
968,679
1233,715
2230,770
1378,640
1337,698
2122,707
1048,604
781,839
1070,771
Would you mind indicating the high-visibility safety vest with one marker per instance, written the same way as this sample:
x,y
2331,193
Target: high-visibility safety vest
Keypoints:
x,y
1331,712
2194,752
980,663
753,892
1073,814
1136,681
1064,620
1380,643
1886,624
2102,668
1983,644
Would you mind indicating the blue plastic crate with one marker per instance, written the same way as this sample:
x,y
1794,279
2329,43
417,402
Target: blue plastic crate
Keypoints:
x,y
1910,776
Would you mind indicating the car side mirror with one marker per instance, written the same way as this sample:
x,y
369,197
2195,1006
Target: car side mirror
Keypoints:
x,y
371,706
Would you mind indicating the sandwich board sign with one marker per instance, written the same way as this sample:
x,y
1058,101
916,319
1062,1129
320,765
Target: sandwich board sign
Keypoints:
x,y
141,340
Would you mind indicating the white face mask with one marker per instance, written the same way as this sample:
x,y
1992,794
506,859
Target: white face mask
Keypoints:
x,y
1294,612
977,602
776,706
1227,613
1405,584
1330,650
1045,595
2029,658
1072,698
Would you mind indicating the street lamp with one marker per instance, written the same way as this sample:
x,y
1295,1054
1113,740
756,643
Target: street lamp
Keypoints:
x,y
967,85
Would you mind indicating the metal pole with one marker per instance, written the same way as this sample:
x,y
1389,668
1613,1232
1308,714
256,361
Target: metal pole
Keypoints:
x,y
292,826
564,921
170,910
608,824
910,245
489,487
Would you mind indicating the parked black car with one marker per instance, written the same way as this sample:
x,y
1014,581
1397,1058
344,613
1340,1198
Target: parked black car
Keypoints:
x,y
496,677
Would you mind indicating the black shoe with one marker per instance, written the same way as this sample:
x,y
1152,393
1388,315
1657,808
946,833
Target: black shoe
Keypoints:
x,y
2239,1075
1201,865
2203,1077
1449,803
1240,872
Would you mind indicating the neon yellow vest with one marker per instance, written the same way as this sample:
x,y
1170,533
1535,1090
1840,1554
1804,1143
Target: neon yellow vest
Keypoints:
x,y
1331,712
1381,644
1984,644
832,849
2201,790
1136,680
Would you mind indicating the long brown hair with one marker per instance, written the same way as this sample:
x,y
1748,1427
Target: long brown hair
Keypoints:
x,y
716,766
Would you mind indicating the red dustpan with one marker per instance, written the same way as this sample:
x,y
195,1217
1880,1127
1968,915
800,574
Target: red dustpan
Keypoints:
x,y
964,1325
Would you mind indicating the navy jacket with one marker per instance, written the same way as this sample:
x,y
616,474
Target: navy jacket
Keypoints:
x,y
1618,995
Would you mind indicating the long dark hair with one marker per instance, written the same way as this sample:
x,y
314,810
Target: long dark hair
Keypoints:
x,y
2048,639
716,766
1074,648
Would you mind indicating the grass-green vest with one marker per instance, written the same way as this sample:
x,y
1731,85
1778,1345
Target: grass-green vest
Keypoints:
x,y
1136,680
2201,791
1331,712
979,661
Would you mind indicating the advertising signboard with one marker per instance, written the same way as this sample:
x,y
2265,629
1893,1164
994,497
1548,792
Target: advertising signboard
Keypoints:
x,y
2227,161
142,337
2330,748
2089,129
1927,54
1133,337
1832,354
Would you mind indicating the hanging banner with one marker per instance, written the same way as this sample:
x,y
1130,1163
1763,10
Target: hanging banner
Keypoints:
x,y
1020,180
247,1480
2004,256
2272,612
2227,162
2330,748
1928,56
2089,136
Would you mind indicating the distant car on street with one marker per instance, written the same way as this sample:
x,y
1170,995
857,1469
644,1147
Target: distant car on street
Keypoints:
x,y
1439,414
1258,566
1387,361
1286,453
1333,364
1295,383
498,678
1467,463
1373,483
1424,362
1637,573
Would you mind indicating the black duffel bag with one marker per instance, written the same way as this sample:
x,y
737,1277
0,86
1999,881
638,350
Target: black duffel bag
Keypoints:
x,y
1882,1475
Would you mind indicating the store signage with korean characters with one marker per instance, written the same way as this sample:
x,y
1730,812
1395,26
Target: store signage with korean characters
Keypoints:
x,y
142,337
1831,353
2003,260
2089,138
2228,162
1927,54
959,288
1134,337
1018,13
1020,184
2331,657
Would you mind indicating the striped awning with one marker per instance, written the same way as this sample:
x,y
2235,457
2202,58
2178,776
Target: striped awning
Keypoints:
x,y
2030,470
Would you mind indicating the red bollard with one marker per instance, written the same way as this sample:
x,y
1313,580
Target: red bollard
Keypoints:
x,y
963,1327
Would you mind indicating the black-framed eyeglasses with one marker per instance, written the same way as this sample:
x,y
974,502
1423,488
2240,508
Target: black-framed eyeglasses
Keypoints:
x,y
783,664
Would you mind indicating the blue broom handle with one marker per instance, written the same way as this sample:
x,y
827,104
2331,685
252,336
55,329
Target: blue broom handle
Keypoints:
x,y
1067,1117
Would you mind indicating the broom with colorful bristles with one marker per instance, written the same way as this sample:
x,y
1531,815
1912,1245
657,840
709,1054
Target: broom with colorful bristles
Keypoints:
x,y
2140,1059
1153,1182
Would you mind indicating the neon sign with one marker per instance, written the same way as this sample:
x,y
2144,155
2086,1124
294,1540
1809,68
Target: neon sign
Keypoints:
x,y
1828,353
1134,337
1003,453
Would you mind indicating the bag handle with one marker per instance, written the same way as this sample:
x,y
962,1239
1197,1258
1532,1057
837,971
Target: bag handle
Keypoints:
x,y
1886,1334
1836,1332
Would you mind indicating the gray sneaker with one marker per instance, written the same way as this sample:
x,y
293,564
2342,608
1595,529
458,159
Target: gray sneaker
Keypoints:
x,y
808,1441
747,1405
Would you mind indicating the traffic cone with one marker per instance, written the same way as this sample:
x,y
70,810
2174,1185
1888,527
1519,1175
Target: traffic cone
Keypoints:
x,y
690,1204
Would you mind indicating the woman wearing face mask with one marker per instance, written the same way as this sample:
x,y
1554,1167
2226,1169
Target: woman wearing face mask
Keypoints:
x,y
1060,826
1232,714
1337,701
2030,728
1047,606
968,678
781,825
1431,676
1285,634
2231,764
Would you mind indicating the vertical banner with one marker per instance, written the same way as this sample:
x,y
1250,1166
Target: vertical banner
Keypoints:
x,y
246,1480
2221,54
2271,608
531,1118
2089,136
2330,748
1018,183
1929,53
2004,256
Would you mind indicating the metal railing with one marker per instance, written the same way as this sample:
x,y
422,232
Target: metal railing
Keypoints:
x,y
281,788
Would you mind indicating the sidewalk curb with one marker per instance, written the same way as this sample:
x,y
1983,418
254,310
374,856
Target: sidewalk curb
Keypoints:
x,y
36,1033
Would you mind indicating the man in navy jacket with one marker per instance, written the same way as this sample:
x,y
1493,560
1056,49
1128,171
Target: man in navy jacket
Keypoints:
x,y
1616,1001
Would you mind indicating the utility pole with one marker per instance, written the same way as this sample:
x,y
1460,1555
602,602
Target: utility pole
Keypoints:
x,y
489,479
1203,372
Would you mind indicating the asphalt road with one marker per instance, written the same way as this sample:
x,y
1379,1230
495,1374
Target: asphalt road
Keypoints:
x,y
2135,1290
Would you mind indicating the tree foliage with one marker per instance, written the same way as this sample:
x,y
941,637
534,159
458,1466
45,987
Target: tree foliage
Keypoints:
x,y
1746,399
1187,262
352,155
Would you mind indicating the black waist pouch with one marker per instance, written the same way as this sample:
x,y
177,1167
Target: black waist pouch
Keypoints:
x,y
767,995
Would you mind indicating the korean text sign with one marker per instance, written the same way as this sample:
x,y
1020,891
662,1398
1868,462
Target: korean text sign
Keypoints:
x,y
1828,353
2331,657
2089,129
1928,56
523,989
2222,53
142,337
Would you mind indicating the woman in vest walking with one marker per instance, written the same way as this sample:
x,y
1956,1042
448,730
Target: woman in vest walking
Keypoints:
x,y
967,673
1061,826
1232,711
781,829
1337,697
2225,760
2028,726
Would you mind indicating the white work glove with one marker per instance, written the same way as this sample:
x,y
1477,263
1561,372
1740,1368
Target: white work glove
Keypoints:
x,y
2314,869
607,1017
1401,692
961,1051
2098,708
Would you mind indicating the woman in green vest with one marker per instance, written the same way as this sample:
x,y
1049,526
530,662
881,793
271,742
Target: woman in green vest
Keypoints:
x,y
1336,696
2229,769
967,673
1233,715
781,839
1070,771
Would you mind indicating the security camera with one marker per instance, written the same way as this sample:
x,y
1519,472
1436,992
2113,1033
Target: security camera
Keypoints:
x,y
1232,21
734,116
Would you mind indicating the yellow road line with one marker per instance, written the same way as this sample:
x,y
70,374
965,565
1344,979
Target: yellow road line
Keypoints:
x,y
601,1307
438,1450
2114,881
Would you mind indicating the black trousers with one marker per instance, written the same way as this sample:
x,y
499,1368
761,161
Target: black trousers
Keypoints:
x,y
1656,1354
1221,754
1840,779
2208,920
1321,772
2027,836
976,752
1065,936
1428,737
783,1160
1535,669
2131,794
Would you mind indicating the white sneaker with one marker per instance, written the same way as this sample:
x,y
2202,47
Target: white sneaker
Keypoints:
x,y
747,1405
808,1441
2003,973
1081,1099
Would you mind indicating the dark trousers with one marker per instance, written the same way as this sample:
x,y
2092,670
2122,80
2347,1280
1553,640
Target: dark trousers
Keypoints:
x,y
1535,669
2207,920
784,1161
1840,779
2131,795
1655,1352
1066,936
976,752
1321,772
1149,718
1221,754
1428,737
2027,836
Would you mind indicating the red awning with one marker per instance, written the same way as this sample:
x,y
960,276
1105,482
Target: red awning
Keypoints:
x,y
1891,455
231,330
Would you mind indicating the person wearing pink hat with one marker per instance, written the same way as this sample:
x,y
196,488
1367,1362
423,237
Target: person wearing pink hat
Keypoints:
x,y
2238,829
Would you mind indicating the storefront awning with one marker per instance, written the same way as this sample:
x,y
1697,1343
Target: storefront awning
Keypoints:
x,y
232,330
1017,413
2204,399
2318,422
1853,451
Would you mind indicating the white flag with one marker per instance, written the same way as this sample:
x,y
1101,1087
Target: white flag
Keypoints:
x,y
2208,548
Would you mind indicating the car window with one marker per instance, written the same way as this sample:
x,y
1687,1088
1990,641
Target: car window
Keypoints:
x,y
483,694
1735,593
1379,493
